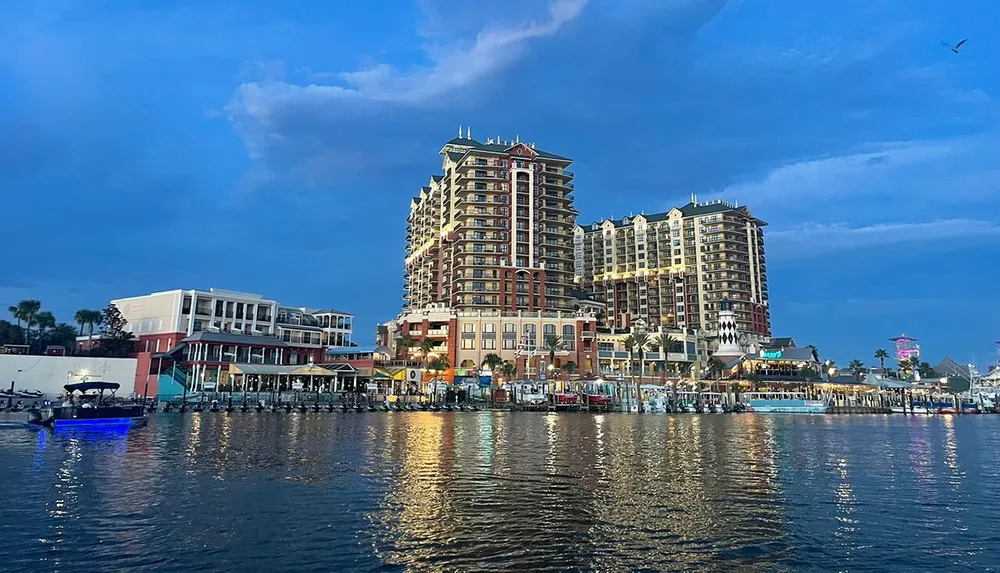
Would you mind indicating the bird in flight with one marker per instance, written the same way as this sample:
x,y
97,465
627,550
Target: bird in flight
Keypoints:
x,y
957,46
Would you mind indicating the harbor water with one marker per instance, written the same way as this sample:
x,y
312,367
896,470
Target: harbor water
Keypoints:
x,y
504,491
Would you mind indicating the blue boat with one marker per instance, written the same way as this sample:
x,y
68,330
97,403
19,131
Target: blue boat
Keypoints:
x,y
89,410
783,403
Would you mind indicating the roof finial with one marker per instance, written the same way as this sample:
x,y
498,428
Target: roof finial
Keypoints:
x,y
694,198
468,132
460,131
517,139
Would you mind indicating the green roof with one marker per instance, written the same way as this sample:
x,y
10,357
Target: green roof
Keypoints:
x,y
472,144
689,210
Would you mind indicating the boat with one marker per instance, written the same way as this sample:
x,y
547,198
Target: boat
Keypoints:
x,y
566,398
30,394
783,403
90,410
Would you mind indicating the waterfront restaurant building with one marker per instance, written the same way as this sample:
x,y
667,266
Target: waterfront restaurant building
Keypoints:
x,y
196,334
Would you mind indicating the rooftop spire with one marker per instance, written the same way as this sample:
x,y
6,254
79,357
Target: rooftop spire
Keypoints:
x,y
468,132
460,131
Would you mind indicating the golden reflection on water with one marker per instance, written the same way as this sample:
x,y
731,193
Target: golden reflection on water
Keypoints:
x,y
667,487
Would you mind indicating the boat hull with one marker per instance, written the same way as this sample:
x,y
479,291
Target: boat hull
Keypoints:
x,y
788,407
100,423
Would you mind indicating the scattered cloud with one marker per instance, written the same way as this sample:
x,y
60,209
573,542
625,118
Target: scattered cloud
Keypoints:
x,y
811,239
282,120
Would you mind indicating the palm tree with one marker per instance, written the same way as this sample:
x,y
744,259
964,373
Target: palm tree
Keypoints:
x,y
716,366
491,361
27,310
629,344
857,367
403,345
881,355
815,352
552,343
90,319
45,320
81,317
16,313
642,341
569,368
426,345
829,366
666,342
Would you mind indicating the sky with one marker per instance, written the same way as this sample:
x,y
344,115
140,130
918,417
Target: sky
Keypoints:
x,y
273,147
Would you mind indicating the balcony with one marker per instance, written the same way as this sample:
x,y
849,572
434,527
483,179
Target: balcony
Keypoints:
x,y
437,332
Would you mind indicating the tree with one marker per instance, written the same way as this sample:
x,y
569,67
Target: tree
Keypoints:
x,y
665,342
569,368
642,341
828,368
815,352
927,371
26,310
908,366
881,355
716,367
16,313
809,373
552,343
10,333
857,368
491,361
44,320
403,345
115,341
62,335
439,364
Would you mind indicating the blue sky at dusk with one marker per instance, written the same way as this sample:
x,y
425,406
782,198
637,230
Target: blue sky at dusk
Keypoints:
x,y
273,147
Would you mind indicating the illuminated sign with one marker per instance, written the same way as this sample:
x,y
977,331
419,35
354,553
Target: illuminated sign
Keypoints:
x,y
771,354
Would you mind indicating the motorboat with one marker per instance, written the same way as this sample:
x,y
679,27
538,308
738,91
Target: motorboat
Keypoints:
x,y
89,410
784,403
29,394
566,398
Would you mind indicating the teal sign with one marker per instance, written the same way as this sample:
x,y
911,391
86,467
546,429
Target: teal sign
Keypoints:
x,y
771,354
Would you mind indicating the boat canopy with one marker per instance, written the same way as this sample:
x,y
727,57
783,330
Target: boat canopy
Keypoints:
x,y
84,386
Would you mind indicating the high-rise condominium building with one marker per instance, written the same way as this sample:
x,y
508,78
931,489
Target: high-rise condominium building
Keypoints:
x,y
490,237
674,269
495,231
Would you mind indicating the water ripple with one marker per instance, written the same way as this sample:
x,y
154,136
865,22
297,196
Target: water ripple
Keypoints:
x,y
503,492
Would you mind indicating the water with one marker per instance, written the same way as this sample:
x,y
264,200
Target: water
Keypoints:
x,y
514,492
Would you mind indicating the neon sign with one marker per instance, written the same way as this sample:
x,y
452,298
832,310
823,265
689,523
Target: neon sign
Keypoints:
x,y
771,354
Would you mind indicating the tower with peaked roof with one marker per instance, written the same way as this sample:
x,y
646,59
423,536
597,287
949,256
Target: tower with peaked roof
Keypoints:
x,y
489,257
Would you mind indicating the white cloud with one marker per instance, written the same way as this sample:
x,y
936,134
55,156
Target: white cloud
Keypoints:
x,y
811,239
454,67
306,124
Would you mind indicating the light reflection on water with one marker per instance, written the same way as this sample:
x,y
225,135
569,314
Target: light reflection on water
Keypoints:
x,y
321,491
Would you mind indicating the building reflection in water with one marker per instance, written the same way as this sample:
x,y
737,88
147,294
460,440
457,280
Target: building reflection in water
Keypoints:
x,y
608,492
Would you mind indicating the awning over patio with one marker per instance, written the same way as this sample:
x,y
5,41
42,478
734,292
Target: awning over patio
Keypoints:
x,y
280,370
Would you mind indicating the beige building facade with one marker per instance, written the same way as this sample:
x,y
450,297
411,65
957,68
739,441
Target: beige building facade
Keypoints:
x,y
489,260
672,270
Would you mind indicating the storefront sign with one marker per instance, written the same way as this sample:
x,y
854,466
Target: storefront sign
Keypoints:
x,y
771,354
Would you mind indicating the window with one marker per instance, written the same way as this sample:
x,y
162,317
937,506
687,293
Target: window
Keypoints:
x,y
530,337
569,337
509,336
